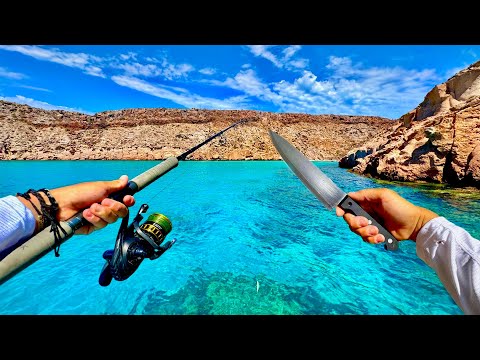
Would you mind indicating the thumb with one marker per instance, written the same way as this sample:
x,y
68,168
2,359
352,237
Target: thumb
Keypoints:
x,y
370,195
116,185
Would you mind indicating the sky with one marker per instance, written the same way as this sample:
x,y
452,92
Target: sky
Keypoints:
x,y
377,80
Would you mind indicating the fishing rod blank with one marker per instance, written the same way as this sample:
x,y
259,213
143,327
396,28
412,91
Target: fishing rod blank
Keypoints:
x,y
43,242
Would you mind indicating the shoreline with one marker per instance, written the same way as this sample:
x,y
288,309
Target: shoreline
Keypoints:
x,y
194,160
440,188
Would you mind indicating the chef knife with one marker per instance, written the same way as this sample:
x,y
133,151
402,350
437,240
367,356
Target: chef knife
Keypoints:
x,y
323,187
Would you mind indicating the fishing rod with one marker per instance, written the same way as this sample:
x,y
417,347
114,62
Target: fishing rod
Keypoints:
x,y
118,265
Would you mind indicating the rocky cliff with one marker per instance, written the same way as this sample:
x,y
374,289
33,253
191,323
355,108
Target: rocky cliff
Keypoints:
x,y
150,134
438,141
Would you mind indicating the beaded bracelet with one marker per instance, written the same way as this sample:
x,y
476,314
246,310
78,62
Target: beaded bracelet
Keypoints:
x,y
47,214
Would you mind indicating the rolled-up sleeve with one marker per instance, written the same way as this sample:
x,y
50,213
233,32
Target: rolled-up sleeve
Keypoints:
x,y
16,223
455,256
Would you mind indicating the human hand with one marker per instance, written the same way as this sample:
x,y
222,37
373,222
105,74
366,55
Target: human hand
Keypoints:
x,y
99,210
399,216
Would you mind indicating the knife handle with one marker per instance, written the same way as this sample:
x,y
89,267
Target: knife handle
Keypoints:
x,y
351,206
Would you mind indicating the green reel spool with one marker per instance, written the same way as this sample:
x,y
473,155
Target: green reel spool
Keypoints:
x,y
157,226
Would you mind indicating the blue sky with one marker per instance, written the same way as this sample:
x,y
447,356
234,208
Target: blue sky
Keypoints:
x,y
381,80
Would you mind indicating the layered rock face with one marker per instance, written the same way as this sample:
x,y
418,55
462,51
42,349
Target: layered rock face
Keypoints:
x,y
154,134
438,141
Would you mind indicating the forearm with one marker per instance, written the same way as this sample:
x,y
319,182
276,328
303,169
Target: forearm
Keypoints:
x,y
17,223
455,256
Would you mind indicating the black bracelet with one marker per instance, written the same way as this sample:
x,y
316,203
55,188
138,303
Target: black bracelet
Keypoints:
x,y
48,213
40,216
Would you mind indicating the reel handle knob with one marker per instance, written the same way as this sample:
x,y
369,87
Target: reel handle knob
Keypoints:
x,y
105,276
108,254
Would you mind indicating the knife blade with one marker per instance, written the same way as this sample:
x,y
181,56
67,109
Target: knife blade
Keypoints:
x,y
323,187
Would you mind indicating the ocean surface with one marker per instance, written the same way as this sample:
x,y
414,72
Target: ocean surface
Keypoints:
x,y
251,239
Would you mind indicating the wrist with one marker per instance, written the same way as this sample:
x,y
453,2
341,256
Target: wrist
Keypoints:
x,y
43,206
35,208
423,217
59,197
46,206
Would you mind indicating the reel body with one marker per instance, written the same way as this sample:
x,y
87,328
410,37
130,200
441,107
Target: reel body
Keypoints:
x,y
134,243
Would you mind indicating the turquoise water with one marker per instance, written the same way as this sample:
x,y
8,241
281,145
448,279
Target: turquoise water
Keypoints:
x,y
236,224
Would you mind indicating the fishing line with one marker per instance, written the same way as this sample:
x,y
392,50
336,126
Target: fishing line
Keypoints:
x,y
181,172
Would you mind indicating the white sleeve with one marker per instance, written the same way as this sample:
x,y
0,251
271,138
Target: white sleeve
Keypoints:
x,y
455,256
16,223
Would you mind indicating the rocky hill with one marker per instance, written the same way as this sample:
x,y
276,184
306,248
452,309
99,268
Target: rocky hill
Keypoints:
x,y
153,134
438,141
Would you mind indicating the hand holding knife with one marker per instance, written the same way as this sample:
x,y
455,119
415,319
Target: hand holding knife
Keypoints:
x,y
323,187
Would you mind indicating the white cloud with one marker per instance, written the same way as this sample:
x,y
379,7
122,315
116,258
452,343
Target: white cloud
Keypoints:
x,y
130,55
94,71
166,70
286,61
178,95
262,51
34,88
172,71
247,82
137,69
95,65
348,88
453,71
341,66
11,75
290,51
299,63
470,52
207,71
75,60
152,59
345,86
40,104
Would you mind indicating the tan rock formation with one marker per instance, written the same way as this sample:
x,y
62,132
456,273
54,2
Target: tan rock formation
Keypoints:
x,y
153,134
438,141
473,165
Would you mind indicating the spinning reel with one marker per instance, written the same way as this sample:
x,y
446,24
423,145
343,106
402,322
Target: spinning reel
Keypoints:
x,y
134,243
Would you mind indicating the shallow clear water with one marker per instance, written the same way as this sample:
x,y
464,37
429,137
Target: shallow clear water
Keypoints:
x,y
236,224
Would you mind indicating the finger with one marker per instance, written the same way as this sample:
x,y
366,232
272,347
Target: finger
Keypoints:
x,y
339,211
129,200
366,231
375,239
362,195
116,207
355,222
94,220
104,213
